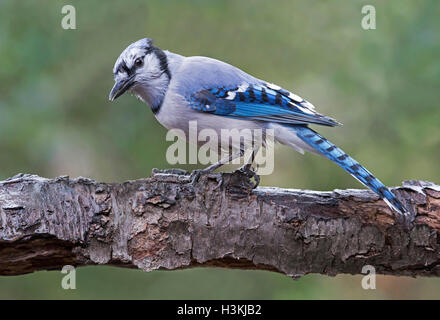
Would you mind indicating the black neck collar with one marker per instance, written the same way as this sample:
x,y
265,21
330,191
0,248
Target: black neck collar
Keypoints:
x,y
163,64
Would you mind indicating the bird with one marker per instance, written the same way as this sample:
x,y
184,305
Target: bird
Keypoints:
x,y
218,95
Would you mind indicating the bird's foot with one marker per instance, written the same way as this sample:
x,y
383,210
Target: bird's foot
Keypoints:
x,y
249,172
197,173
245,170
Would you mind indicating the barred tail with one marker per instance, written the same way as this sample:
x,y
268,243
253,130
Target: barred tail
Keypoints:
x,y
332,152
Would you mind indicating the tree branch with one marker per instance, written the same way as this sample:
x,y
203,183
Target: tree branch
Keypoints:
x,y
166,222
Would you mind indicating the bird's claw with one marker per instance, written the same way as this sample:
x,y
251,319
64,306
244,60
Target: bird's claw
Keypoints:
x,y
250,173
197,173
219,181
245,170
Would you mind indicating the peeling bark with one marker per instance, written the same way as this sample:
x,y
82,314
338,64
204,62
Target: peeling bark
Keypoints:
x,y
166,222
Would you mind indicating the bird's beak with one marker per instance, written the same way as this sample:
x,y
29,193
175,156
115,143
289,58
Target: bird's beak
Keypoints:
x,y
120,87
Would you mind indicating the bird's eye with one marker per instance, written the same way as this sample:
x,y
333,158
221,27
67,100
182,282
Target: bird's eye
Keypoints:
x,y
138,62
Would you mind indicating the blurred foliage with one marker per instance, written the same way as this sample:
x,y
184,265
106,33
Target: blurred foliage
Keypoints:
x,y
55,117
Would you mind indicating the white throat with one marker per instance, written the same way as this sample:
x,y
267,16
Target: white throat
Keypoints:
x,y
152,92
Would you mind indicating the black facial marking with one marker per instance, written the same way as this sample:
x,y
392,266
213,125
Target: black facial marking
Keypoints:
x,y
163,61
163,65
148,50
123,68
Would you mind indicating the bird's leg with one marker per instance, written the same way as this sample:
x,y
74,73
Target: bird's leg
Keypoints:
x,y
195,175
247,168
248,165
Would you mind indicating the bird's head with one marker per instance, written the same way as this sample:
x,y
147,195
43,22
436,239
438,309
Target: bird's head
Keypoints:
x,y
137,66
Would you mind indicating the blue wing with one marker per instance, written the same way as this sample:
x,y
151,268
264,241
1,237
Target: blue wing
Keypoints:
x,y
261,101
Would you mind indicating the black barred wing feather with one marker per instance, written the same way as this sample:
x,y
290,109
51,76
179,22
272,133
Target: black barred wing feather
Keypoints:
x,y
263,101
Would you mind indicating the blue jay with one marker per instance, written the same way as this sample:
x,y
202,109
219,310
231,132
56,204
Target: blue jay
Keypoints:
x,y
220,96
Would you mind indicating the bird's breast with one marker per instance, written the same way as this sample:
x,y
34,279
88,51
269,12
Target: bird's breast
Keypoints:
x,y
175,114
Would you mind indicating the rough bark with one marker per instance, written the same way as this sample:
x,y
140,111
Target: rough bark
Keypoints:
x,y
167,222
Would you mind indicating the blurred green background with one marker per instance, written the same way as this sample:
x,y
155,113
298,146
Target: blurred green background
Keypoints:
x,y
55,117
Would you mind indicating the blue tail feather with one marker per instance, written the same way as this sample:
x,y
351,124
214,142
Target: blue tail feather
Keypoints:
x,y
332,152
